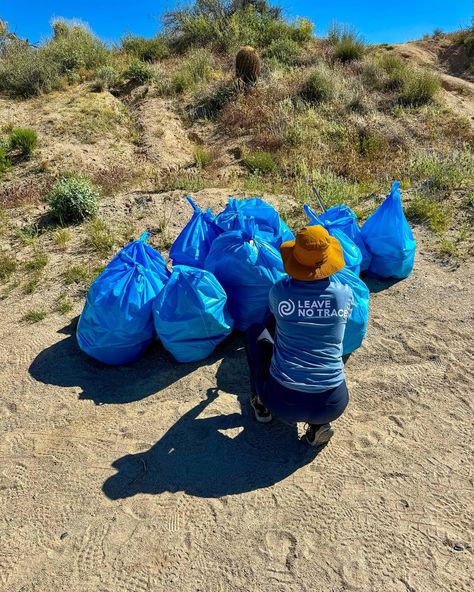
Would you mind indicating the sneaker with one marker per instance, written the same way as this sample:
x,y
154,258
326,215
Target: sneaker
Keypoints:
x,y
262,414
319,436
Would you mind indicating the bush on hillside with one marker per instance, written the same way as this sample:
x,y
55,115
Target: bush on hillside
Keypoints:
x,y
348,46
197,68
139,73
466,38
419,87
25,71
23,140
146,50
215,100
260,161
286,51
73,47
438,171
317,88
107,78
228,24
4,161
73,199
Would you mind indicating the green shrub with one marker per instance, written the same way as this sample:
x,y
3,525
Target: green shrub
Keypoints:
x,y
61,237
24,140
4,161
370,142
64,306
100,237
454,171
418,88
39,261
197,68
203,157
333,188
184,181
348,46
139,73
428,210
74,46
447,248
260,161
34,316
107,78
7,266
302,30
146,50
25,71
230,24
317,88
286,51
73,199
217,99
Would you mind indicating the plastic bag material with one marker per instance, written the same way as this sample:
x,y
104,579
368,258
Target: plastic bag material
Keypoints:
x,y
389,238
352,254
190,314
271,228
194,242
343,218
357,322
116,325
247,267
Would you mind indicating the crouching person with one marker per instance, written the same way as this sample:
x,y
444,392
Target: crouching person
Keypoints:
x,y
297,371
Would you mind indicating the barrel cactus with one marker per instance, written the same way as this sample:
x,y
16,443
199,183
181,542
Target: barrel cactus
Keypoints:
x,y
247,65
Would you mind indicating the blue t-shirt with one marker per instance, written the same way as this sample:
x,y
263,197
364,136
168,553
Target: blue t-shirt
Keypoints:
x,y
311,318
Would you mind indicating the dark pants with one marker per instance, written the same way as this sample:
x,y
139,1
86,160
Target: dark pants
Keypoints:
x,y
288,404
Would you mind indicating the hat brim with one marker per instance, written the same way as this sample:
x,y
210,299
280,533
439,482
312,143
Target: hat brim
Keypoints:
x,y
334,262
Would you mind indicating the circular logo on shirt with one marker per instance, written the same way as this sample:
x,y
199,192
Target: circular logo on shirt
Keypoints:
x,y
286,308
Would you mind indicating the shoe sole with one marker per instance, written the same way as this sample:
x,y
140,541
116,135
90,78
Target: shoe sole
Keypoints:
x,y
322,439
259,418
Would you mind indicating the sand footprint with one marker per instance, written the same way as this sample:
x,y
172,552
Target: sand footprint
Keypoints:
x,y
280,550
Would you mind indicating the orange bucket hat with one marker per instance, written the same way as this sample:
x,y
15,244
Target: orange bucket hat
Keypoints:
x,y
314,255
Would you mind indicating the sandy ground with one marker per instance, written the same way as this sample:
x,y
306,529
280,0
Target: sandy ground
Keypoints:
x,y
155,476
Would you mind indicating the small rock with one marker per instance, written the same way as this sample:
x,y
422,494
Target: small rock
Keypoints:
x,y
64,535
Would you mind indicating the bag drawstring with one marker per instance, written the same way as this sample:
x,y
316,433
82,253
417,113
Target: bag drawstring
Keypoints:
x,y
193,205
312,215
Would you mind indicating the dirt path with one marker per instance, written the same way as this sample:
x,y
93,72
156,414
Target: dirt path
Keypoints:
x,y
147,478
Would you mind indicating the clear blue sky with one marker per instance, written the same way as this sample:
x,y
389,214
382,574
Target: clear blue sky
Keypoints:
x,y
379,21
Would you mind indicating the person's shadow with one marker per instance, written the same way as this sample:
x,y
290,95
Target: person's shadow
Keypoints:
x,y
214,455
208,456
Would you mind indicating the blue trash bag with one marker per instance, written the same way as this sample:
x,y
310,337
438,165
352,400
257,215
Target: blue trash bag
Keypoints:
x,y
190,314
246,267
271,228
194,242
389,239
357,323
343,218
116,325
352,254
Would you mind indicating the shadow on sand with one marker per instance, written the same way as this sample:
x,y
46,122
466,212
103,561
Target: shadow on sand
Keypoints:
x,y
63,364
212,457
208,456
379,284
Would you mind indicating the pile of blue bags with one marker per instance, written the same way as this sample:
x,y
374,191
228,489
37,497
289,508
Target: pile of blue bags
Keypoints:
x,y
223,269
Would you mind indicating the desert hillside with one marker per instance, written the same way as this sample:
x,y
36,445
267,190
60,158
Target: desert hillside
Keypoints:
x,y
154,476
